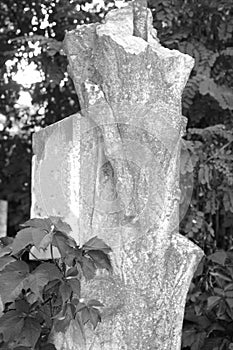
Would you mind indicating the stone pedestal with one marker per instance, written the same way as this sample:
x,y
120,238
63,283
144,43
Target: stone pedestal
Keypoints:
x,y
113,171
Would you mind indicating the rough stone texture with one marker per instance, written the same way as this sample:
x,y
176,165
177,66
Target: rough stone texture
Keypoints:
x,y
113,171
140,15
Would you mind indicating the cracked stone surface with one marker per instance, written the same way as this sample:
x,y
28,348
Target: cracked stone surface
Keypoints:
x,y
113,171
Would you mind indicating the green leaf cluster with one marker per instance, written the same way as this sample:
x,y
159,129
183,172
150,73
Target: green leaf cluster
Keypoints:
x,y
209,309
208,162
42,300
202,29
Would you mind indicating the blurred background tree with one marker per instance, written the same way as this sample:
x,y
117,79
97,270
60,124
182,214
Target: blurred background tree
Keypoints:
x,y
36,91
35,88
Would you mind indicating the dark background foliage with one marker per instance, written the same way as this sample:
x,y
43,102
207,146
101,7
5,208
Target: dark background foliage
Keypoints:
x,y
204,30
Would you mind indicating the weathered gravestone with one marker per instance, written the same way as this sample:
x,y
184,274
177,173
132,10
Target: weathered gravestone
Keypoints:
x,y
113,171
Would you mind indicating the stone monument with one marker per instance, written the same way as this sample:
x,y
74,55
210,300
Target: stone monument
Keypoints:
x,y
112,171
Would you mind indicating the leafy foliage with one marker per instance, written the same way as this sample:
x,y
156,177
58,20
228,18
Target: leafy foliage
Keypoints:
x,y
203,30
208,222
209,315
222,94
45,299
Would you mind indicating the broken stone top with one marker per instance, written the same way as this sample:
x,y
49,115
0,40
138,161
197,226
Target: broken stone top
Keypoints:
x,y
125,67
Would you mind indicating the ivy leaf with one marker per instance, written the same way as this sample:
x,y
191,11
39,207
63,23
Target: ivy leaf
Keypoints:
x,y
230,302
75,286
88,268
12,280
30,332
5,241
60,324
11,324
60,225
229,287
27,236
79,320
85,315
200,268
218,257
36,281
41,276
90,314
52,286
5,260
69,259
222,94
80,306
101,259
212,302
61,241
71,310
219,291
46,241
62,315
213,344
76,334
78,254
229,294
215,327
221,311
22,306
188,337
44,224
95,316
63,318
73,271
65,290
38,235
5,251
50,270
199,341
5,246
16,267
96,243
